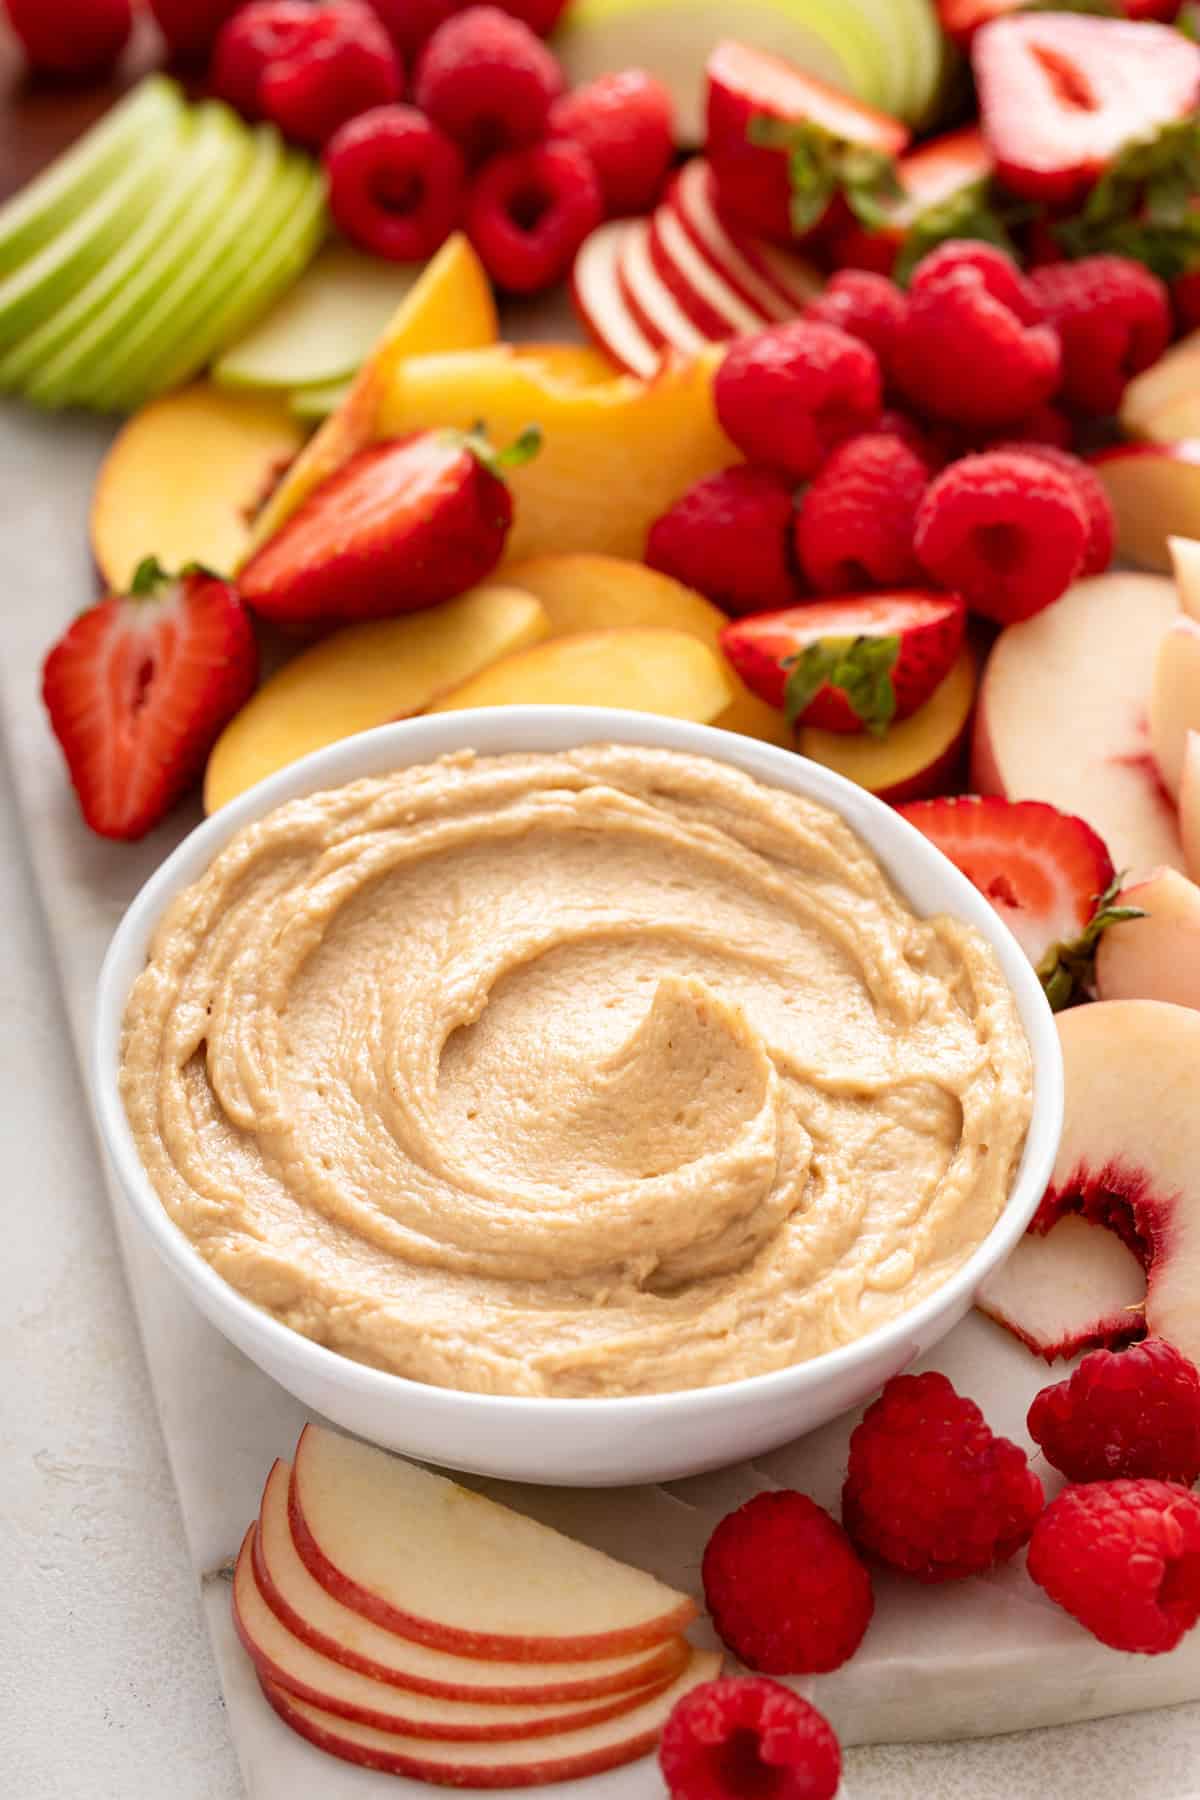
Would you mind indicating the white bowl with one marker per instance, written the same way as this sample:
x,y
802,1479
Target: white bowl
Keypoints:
x,y
594,1442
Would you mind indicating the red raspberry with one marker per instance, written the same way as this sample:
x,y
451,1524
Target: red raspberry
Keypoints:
x,y
790,395
785,1589
411,23
1044,425
1003,530
869,307
1113,318
928,445
540,15
971,349
732,1738
1185,299
72,37
255,36
930,1489
1123,1557
529,212
396,183
342,64
855,526
190,27
487,81
1123,1412
1092,495
626,123
730,537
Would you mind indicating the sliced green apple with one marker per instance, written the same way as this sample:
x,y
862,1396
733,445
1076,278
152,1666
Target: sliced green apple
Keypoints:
x,y
319,401
322,329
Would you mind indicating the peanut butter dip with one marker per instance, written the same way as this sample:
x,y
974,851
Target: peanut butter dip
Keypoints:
x,y
611,1071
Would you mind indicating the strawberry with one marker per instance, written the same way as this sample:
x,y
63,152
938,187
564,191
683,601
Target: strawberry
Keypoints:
x,y
1060,94
139,688
943,193
401,525
961,19
1046,872
854,663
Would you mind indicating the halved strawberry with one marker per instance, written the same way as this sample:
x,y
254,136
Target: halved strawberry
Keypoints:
x,y
140,687
1046,872
1061,93
961,19
402,525
854,663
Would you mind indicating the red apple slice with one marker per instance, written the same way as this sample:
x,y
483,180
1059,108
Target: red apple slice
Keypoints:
x,y
1175,699
713,306
656,312
1156,957
281,1657
601,305
312,1614
440,1564
1062,715
1077,1288
690,197
569,1756
1189,805
1155,494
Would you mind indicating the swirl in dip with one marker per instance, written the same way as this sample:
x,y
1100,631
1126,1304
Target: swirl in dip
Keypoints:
x,y
611,1071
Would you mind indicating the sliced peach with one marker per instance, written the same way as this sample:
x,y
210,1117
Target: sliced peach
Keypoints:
x,y
450,308
153,497
918,757
595,593
364,676
1185,561
1156,957
646,668
1189,805
616,452
1166,395
1175,700
1155,494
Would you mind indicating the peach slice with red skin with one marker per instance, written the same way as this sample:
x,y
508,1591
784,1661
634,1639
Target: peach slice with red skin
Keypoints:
x,y
1078,1287
1156,957
1175,700
1189,805
1185,563
1155,494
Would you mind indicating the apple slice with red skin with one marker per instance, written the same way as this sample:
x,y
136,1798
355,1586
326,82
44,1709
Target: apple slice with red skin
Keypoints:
x,y
1156,957
1130,1151
655,310
690,199
281,1657
601,304
568,1756
1062,715
380,1534
312,1614
713,306
1076,1288
1155,494
1175,700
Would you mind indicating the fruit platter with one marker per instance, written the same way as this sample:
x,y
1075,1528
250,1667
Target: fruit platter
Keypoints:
x,y
610,746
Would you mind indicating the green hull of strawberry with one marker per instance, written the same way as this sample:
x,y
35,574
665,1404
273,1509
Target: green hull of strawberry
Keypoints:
x,y
930,176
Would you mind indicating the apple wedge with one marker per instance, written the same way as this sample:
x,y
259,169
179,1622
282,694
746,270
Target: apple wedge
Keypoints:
x,y
569,1756
312,1614
1189,805
281,1657
1077,1288
1155,494
1062,715
646,668
1156,957
601,304
366,675
1185,563
690,198
655,309
918,757
1175,699
435,1562
710,302
148,500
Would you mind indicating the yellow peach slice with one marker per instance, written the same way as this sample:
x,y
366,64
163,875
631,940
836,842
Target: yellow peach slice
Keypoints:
x,y
364,676
594,593
184,478
918,756
450,308
646,668
615,452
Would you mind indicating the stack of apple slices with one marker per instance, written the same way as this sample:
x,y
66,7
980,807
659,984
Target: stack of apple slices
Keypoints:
x,y
404,1623
682,279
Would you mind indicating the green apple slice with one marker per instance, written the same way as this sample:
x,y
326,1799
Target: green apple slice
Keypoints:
x,y
673,39
39,211
321,330
49,279
49,361
318,402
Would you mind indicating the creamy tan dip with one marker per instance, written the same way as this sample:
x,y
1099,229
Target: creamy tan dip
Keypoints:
x,y
606,1072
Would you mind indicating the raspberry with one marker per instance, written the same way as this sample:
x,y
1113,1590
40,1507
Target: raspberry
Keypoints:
x,y
732,1738
855,526
930,1489
72,37
529,212
1044,425
626,124
1123,1557
488,82
411,23
255,36
869,307
790,395
970,348
190,27
1092,495
1113,319
540,15
309,68
928,445
1003,530
730,537
396,183
785,1589
1123,1412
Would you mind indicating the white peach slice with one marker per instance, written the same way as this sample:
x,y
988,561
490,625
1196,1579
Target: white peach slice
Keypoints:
x,y
437,1563
1156,957
1175,700
1189,805
1185,561
1077,1288
1062,715
1155,494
